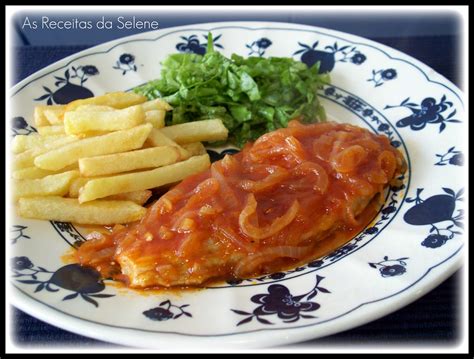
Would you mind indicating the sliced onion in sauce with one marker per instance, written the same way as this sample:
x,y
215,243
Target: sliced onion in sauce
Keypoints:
x,y
277,225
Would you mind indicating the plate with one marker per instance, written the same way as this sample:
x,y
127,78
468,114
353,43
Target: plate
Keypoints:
x,y
414,243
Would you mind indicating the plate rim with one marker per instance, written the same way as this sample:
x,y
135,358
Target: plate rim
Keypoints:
x,y
454,264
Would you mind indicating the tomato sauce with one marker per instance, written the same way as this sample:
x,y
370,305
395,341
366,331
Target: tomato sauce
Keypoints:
x,y
291,196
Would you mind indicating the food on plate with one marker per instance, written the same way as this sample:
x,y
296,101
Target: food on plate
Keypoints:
x,y
77,122
52,130
113,99
114,142
251,95
52,185
293,195
135,181
104,212
97,160
156,118
206,130
129,161
23,143
27,158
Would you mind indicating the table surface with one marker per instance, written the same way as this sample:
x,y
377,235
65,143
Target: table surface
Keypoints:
x,y
433,319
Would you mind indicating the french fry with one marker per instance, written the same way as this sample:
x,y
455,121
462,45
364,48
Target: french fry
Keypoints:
x,y
128,161
54,185
138,197
156,118
51,130
76,122
197,131
54,114
100,212
114,142
76,185
195,148
112,99
157,104
136,181
156,138
27,158
92,107
35,172
39,117
21,143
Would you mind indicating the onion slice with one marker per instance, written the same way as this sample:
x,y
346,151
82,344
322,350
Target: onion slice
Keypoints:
x,y
277,225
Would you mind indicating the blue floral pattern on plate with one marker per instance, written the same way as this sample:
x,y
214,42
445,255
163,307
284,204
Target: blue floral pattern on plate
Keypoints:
x,y
68,91
21,127
428,111
452,157
390,267
280,301
192,44
381,76
125,63
17,230
258,47
166,311
327,59
434,210
84,282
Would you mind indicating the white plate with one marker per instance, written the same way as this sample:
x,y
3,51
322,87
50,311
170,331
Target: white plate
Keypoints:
x,y
413,245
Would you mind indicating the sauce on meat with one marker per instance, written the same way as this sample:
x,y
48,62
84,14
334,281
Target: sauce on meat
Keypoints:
x,y
293,195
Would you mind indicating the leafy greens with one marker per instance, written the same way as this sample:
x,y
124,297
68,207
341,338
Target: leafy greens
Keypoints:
x,y
251,95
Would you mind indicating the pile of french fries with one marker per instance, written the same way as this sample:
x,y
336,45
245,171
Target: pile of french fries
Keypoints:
x,y
96,160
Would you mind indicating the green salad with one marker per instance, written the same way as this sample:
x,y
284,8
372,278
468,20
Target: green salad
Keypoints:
x,y
251,95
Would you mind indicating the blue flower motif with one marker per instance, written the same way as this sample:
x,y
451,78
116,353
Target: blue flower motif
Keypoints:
x,y
263,43
379,77
451,157
21,263
329,91
371,230
391,267
434,240
192,44
166,311
436,209
279,301
68,91
392,271
90,70
159,314
19,123
125,63
316,264
389,74
328,58
21,127
126,59
358,59
457,159
258,47
396,144
427,112
82,281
